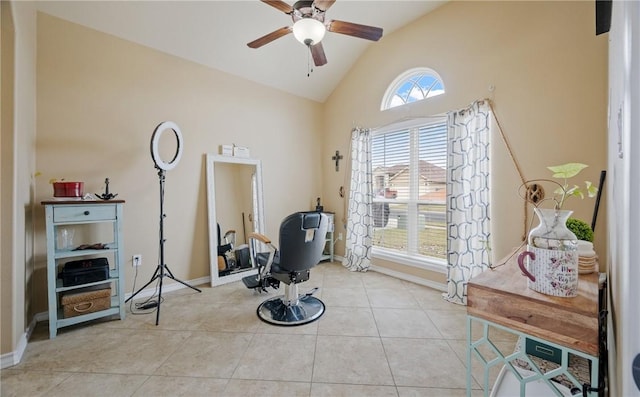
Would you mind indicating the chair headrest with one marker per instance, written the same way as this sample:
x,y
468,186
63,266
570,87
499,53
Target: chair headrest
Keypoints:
x,y
302,240
311,220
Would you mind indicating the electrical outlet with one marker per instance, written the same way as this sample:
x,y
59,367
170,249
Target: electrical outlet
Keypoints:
x,y
136,260
340,236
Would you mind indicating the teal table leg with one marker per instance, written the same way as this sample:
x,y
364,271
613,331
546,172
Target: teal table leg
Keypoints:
x,y
535,375
469,377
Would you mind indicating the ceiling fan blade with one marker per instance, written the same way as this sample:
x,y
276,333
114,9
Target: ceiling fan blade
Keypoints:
x,y
280,5
268,38
355,30
317,52
323,5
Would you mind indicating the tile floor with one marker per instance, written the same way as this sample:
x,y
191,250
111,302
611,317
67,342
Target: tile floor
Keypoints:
x,y
380,336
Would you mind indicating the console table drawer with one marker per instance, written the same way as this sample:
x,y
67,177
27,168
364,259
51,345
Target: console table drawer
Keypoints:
x,y
84,213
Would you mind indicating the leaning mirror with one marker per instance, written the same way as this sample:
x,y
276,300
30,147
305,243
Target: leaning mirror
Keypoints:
x,y
236,209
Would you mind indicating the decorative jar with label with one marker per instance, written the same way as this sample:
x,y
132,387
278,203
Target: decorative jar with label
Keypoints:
x,y
551,260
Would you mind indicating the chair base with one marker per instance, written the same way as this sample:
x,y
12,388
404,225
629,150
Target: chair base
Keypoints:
x,y
305,310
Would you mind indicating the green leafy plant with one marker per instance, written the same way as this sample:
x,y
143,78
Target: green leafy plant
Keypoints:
x,y
564,172
534,192
581,229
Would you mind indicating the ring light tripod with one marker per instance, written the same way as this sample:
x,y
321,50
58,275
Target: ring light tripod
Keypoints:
x,y
162,270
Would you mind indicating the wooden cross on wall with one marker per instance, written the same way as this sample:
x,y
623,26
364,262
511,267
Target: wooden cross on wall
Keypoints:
x,y
337,158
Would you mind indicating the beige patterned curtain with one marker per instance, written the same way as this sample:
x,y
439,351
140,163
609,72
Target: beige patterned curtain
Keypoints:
x,y
359,236
468,215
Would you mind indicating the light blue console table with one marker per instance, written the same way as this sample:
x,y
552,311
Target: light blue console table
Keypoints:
x,y
66,214
499,299
330,242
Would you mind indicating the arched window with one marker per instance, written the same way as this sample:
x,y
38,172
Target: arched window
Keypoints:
x,y
412,86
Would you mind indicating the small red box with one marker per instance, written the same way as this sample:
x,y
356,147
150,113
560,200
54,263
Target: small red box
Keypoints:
x,y
68,189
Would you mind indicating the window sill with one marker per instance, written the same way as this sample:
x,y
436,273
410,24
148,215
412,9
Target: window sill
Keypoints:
x,y
434,265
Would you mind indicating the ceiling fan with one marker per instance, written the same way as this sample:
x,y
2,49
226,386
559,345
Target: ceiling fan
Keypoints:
x,y
309,26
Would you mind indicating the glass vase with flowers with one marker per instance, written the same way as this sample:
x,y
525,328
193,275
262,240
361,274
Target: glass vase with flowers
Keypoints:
x,y
550,261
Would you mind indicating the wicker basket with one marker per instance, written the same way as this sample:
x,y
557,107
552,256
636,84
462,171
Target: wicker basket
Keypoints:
x,y
85,301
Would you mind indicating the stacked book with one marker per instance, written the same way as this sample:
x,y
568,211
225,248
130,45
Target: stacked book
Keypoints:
x,y
587,258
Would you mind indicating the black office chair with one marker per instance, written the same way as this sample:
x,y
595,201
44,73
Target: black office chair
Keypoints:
x,y
302,240
223,249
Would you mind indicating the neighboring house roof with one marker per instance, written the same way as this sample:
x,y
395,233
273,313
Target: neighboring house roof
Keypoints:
x,y
428,172
432,172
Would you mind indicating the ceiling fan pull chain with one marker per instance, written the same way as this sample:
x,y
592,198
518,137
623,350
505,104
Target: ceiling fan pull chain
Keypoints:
x,y
309,68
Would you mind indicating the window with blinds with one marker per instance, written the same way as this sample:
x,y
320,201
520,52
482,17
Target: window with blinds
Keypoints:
x,y
409,178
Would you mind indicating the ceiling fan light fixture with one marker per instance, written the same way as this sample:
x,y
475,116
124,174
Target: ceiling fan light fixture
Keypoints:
x,y
309,31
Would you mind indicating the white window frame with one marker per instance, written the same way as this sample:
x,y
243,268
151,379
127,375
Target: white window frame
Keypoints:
x,y
418,261
395,85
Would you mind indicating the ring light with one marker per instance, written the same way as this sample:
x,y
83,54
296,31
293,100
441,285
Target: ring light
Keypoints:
x,y
162,270
155,138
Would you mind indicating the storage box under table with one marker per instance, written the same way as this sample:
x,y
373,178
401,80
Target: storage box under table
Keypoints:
x,y
84,271
85,300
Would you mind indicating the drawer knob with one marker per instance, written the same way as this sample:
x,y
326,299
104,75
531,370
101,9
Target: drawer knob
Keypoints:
x,y
86,212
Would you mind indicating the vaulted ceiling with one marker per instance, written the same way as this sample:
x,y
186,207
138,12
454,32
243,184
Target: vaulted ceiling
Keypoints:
x,y
216,33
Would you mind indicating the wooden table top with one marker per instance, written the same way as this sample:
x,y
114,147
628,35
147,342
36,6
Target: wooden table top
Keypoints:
x,y
502,296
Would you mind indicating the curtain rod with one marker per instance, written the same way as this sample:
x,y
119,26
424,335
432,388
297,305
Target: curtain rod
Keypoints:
x,y
432,116
466,109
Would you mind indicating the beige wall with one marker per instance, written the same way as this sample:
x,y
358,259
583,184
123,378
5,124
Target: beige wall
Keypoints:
x,y
549,71
18,164
7,59
99,100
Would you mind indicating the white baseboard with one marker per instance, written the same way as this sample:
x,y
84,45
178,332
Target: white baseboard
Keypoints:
x,y
150,291
13,358
408,277
402,276
10,359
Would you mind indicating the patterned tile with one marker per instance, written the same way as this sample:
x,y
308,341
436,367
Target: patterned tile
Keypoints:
x,y
355,360
378,337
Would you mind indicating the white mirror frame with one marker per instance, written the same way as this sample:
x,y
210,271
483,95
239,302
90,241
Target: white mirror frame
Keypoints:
x,y
211,160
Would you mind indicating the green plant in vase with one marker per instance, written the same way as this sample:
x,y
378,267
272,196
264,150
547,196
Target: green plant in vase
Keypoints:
x,y
565,172
554,224
551,260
